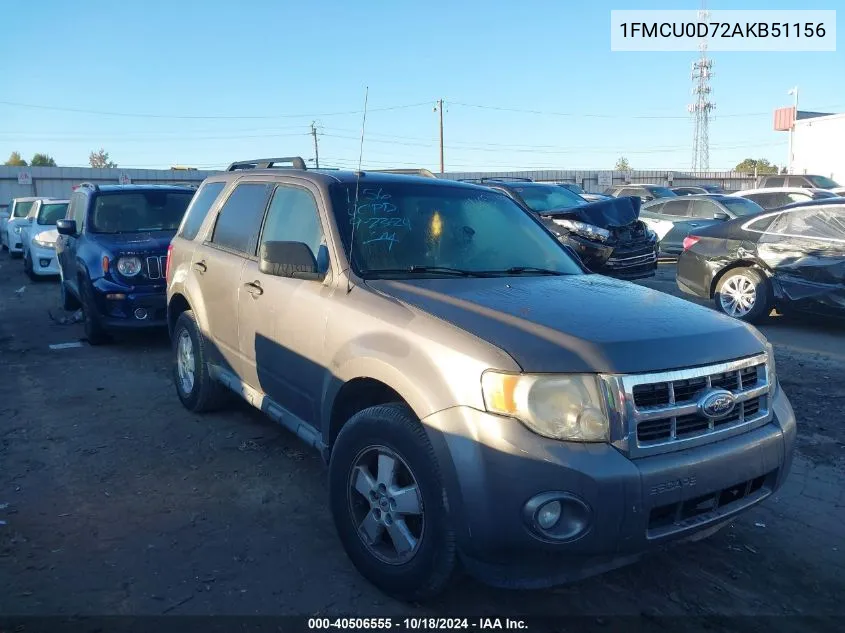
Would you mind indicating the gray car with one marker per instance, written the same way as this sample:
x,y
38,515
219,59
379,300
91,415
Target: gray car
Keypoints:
x,y
675,218
480,400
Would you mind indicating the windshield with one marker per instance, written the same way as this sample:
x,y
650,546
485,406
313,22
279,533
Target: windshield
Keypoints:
x,y
542,198
50,212
573,188
22,209
818,195
823,182
400,227
139,211
662,192
741,206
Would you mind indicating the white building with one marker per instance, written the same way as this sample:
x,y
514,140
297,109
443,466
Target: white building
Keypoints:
x,y
818,146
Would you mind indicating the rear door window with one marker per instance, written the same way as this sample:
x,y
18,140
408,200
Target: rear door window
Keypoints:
x,y
703,209
775,181
198,209
239,219
677,208
22,209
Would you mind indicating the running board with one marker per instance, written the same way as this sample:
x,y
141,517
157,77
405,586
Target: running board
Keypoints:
x,y
267,405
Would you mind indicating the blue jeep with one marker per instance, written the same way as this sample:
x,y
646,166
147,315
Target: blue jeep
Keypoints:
x,y
112,254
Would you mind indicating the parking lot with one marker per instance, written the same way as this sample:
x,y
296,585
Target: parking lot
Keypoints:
x,y
116,500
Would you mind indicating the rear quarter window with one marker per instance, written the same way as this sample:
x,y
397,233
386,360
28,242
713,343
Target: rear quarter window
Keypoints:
x,y
198,209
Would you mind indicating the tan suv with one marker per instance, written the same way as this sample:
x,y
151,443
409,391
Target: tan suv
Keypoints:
x,y
478,396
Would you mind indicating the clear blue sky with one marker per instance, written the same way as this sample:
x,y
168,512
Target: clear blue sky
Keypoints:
x,y
280,65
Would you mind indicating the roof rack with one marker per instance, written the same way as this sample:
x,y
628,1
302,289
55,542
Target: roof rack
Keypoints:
x,y
89,184
267,163
506,179
408,172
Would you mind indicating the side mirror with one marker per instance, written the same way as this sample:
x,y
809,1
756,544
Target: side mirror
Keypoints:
x,y
66,227
721,215
288,259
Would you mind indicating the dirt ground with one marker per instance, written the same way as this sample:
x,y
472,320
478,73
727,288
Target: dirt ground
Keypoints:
x,y
115,500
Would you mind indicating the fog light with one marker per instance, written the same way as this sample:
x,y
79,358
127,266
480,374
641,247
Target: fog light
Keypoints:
x,y
548,515
557,516
116,296
44,262
141,314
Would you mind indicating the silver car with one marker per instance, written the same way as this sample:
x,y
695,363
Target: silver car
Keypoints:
x,y
478,397
38,238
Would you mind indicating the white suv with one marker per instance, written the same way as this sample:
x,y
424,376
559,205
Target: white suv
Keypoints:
x,y
10,229
38,237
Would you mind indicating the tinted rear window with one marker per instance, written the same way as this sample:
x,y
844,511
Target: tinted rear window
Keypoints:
x,y
139,211
200,205
240,217
661,192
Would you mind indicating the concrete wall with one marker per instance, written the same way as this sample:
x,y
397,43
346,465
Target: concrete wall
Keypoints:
x,y
58,182
818,145
589,180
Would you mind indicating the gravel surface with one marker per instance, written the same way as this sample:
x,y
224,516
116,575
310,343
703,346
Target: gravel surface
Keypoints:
x,y
115,500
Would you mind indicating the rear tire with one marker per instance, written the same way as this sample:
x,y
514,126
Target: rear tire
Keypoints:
x,y
196,389
744,294
403,544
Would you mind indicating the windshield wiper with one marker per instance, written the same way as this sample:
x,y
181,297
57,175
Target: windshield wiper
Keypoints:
x,y
518,270
458,272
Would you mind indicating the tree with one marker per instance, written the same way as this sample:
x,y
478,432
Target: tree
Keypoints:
x,y
762,165
42,160
100,159
622,164
15,160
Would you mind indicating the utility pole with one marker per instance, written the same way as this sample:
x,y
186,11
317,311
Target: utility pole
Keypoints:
x,y
701,109
316,149
439,107
794,93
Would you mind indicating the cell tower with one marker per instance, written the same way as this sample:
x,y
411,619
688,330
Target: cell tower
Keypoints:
x,y
702,72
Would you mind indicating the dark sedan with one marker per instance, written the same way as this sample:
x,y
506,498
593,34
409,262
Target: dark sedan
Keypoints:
x,y
675,218
792,259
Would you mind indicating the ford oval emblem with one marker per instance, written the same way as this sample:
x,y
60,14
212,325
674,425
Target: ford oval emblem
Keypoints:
x,y
716,404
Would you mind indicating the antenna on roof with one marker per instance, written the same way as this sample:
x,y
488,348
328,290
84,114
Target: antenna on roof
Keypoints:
x,y
357,182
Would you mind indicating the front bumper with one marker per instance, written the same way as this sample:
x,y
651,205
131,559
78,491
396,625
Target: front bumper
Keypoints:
x,y
44,260
492,466
121,306
634,260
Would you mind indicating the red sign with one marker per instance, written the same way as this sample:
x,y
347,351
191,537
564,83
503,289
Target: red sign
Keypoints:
x,y
784,118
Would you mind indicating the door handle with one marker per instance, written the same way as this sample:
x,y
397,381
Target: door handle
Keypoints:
x,y
200,266
254,288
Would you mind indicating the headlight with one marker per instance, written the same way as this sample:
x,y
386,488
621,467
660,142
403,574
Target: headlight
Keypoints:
x,y
584,229
129,266
771,370
563,407
43,243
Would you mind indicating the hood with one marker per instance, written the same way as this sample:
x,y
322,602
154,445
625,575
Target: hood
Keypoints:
x,y
580,323
613,212
136,243
45,233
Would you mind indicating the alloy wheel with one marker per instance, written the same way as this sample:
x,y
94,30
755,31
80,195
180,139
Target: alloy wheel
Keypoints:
x,y
386,505
738,296
185,362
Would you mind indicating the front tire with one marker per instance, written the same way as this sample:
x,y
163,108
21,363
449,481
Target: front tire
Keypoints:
x,y
389,505
28,269
743,293
94,331
196,389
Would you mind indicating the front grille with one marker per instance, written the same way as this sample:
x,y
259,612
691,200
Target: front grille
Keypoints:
x,y
687,513
156,266
661,410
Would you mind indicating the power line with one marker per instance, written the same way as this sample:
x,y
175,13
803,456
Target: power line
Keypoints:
x,y
214,117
